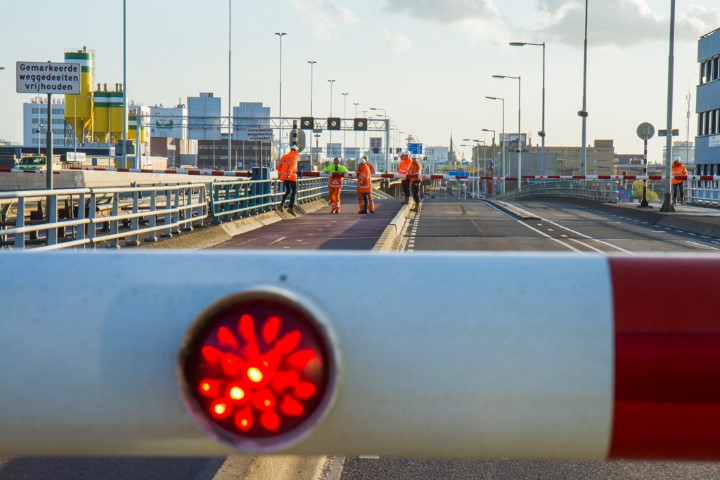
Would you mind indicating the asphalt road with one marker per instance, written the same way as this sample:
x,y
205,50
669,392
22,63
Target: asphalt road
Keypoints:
x,y
441,225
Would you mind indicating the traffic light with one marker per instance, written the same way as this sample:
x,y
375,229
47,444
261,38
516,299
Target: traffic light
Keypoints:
x,y
293,137
257,371
360,124
333,123
307,123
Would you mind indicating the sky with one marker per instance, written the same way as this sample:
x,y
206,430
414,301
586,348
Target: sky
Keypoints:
x,y
427,63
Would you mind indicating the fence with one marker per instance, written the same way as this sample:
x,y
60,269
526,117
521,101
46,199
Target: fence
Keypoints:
x,y
605,191
115,217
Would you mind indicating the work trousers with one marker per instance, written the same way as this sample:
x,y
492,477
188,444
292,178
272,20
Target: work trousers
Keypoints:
x,y
406,189
290,189
334,198
365,202
416,192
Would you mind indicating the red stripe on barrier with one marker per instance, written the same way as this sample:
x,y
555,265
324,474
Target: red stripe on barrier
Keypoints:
x,y
123,169
437,177
387,175
604,177
311,174
170,171
655,177
217,172
667,359
147,170
555,177
6,170
578,177
630,177
193,172
706,177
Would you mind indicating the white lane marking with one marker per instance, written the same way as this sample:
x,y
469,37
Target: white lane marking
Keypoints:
x,y
589,237
701,245
369,457
278,240
538,231
587,245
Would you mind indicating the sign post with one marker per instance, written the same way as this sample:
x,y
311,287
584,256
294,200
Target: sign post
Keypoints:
x,y
645,131
48,78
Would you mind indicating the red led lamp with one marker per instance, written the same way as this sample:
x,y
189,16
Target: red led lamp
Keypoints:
x,y
258,370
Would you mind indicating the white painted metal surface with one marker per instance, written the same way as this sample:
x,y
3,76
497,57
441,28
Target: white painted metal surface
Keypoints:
x,y
443,355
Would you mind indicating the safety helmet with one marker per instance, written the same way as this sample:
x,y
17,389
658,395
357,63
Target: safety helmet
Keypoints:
x,y
294,147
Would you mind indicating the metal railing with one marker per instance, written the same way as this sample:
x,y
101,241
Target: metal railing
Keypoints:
x,y
92,216
239,199
126,216
605,191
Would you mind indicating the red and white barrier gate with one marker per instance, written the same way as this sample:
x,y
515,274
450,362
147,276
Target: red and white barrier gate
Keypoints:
x,y
485,355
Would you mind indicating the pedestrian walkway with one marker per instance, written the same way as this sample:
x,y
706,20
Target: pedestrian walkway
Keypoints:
x,y
322,230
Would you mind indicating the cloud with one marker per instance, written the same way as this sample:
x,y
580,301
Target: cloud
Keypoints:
x,y
620,22
448,11
478,19
397,42
324,16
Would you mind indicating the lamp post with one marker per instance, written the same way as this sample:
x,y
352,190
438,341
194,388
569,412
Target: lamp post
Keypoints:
x,y
502,169
667,201
518,78
356,114
229,165
312,65
477,157
345,94
387,137
542,131
124,90
492,169
280,147
331,102
583,113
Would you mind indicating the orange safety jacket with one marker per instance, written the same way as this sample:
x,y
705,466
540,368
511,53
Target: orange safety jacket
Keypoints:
x,y
287,169
416,169
364,178
337,178
405,167
679,170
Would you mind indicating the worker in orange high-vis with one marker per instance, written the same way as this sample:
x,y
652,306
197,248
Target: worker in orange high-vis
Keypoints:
x,y
335,183
677,185
364,173
416,169
287,172
404,168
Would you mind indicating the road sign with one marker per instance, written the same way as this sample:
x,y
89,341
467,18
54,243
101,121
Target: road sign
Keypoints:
x,y
334,123
48,77
663,132
360,124
415,148
260,134
307,123
645,131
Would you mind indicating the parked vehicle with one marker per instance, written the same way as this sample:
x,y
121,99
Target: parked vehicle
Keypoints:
x,y
32,162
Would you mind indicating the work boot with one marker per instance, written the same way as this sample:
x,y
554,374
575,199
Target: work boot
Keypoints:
x,y
362,212
415,208
291,211
280,208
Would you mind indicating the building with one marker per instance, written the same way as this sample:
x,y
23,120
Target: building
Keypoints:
x,y
251,120
35,122
204,122
684,150
707,142
168,122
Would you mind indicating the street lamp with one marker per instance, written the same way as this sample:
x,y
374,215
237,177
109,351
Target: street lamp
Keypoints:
x,y
542,131
387,137
345,94
356,114
477,158
331,101
312,65
518,78
280,36
492,170
229,164
502,170
583,113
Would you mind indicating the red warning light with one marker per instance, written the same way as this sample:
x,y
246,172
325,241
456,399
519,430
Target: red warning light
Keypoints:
x,y
257,370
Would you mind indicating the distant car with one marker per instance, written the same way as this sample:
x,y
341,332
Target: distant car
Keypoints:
x,y
32,162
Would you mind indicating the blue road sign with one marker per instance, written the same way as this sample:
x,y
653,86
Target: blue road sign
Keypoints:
x,y
415,148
